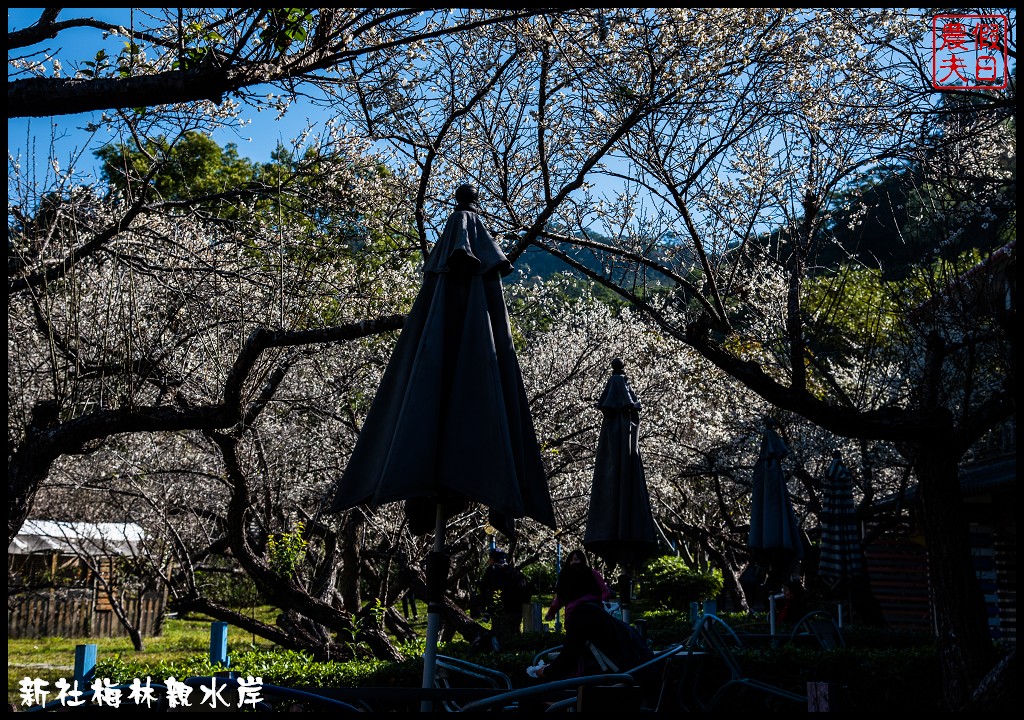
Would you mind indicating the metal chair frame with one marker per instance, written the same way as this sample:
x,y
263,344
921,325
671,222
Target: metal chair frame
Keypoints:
x,y
448,666
558,689
713,636
822,626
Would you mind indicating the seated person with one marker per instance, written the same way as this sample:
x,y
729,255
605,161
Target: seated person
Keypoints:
x,y
588,628
577,557
793,604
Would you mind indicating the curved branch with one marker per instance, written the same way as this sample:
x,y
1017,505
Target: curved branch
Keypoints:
x,y
262,339
421,193
94,245
53,96
638,113
47,28
285,592
647,262
30,461
893,424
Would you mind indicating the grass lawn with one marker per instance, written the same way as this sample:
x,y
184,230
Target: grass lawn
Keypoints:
x,y
52,658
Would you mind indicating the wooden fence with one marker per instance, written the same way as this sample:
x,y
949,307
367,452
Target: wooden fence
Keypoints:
x,y
71,613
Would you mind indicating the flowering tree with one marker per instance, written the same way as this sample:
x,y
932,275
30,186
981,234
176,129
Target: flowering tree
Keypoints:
x,y
707,149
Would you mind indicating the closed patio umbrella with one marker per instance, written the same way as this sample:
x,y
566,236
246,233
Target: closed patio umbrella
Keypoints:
x,y
450,422
841,558
774,538
620,526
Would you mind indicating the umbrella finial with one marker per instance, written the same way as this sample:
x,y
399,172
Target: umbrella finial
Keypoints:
x,y
618,367
466,196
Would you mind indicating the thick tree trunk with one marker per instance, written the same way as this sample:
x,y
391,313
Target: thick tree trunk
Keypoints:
x,y
863,603
398,626
23,479
285,592
136,637
965,646
351,560
732,590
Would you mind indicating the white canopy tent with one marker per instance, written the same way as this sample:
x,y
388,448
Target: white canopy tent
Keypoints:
x,y
75,538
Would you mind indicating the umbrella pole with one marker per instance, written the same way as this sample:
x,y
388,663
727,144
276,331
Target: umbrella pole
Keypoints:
x,y
437,576
558,571
625,594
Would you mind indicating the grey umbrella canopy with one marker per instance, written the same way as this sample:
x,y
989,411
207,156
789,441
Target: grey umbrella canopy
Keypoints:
x,y
450,423
620,526
774,538
841,558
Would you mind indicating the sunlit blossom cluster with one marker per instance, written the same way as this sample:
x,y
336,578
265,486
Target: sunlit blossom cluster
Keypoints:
x,y
687,160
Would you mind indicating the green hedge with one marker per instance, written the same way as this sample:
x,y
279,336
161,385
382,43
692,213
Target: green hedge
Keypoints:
x,y
290,668
862,678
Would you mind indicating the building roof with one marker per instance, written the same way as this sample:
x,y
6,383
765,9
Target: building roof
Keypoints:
x,y
47,536
979,479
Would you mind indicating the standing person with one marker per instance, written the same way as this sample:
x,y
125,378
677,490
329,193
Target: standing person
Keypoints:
x,y
601,591
501,592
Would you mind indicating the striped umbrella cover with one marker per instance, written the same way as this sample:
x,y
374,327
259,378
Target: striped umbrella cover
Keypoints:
x,y
841,557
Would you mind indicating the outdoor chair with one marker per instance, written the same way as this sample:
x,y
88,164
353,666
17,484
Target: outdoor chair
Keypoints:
x,y
606,665
710,671
554,696
275,698
602,661
547,654
455,672
614,690
820,626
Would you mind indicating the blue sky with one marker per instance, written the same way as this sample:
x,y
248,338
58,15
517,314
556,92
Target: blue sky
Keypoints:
x,y
70,137
24,135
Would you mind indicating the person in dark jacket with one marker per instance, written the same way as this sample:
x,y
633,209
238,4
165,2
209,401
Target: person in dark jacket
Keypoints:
x,y
595,641
502,596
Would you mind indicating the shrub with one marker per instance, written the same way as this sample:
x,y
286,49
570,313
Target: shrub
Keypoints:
x,y
666,582
541,577
665,627
286,550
